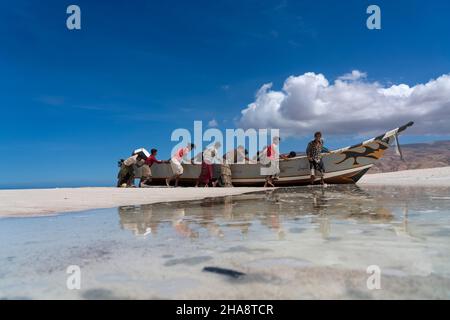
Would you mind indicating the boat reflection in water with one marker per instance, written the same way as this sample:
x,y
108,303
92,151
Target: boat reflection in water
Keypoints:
x,y
304,242
271,209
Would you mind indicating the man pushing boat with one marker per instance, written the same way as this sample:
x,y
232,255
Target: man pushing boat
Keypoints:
x,y
126,175
175,163
272,154
146,176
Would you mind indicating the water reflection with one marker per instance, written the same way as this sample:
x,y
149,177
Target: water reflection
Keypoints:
x,y
138,219
272,209
291,243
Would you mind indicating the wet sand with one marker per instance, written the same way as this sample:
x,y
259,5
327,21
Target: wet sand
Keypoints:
x,y
49,201
34,202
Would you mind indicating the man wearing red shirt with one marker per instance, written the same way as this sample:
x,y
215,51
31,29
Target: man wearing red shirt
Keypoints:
x,y
146,177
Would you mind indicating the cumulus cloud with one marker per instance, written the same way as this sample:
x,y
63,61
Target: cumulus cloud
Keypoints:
x,y
353,76
350,105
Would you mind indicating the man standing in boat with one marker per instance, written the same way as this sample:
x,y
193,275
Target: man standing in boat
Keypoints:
x,y
314,154
175,163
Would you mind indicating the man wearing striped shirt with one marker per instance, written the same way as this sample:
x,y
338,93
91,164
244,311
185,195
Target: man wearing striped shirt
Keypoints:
x,y
314,154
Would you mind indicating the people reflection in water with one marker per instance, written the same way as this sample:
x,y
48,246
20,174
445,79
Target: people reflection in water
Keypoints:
x,y
219,216
273,218
180,225
209,213
138,219
319,201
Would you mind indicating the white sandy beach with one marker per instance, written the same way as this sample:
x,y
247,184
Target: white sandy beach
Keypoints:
x,y
437,177
48,201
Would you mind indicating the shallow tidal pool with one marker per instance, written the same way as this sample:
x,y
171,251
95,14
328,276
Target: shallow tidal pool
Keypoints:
x,y
291,243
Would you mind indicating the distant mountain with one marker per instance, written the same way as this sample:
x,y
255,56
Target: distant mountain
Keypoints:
x,y
415,156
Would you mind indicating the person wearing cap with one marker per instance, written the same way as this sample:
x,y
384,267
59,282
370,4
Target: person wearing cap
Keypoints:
x,y
175,163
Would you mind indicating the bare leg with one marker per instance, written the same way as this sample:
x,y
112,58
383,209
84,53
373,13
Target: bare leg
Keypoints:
x,y
313,178
168,181
145,183
269,182
177,179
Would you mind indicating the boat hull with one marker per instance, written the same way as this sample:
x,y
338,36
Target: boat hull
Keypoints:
x,y
342,166
345,166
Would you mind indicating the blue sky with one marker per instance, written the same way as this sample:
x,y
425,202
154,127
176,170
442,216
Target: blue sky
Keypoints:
x,y
74,102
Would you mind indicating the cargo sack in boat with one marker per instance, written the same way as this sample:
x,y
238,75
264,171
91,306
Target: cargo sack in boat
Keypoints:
x,y
142,152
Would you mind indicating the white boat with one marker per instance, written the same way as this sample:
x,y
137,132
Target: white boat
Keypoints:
x,y
342,166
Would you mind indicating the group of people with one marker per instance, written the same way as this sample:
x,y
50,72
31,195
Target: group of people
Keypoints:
x,y
141,160
269,158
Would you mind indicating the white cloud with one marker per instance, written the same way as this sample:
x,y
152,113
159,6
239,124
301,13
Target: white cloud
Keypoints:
x,y
212,123
353,76
350,105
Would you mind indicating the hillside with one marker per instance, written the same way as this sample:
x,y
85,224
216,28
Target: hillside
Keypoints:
x,y
416,156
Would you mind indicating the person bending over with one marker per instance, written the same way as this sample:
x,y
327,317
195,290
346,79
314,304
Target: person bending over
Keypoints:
x,y
125,177
146,177
175,163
